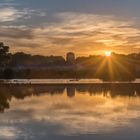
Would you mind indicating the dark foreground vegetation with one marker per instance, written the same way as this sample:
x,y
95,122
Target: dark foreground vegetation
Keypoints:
x,y
118,67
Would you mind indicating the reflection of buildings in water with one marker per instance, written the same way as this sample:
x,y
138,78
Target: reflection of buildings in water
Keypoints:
x,y
71,91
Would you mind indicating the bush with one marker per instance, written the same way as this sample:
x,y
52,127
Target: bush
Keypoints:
x,y
8,73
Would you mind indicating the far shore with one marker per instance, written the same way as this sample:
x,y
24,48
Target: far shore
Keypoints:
x,y
63,81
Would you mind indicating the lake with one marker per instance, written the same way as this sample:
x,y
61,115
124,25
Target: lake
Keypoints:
x,y
62,81
70,112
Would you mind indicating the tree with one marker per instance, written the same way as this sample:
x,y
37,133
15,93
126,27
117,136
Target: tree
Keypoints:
x,y
4,55
8,73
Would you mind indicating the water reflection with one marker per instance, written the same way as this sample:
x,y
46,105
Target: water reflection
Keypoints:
x,y
8,92
52,111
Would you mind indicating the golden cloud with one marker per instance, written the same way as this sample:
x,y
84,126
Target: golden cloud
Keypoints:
x,y
82,33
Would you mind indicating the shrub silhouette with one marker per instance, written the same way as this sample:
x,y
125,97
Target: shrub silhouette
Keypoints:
x,y
8,73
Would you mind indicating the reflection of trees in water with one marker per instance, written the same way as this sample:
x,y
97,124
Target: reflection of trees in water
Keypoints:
x,y
5,98
20,92
112,89
49,89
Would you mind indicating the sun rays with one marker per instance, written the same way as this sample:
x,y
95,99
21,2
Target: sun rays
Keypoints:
x,y
107,53
113,67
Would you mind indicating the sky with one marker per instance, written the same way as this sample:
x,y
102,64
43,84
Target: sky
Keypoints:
x,y
85,27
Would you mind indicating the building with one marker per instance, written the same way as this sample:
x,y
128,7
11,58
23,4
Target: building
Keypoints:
x,y
70,58
70,91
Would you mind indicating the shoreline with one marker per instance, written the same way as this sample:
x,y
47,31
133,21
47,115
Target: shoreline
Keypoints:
x,y
62,82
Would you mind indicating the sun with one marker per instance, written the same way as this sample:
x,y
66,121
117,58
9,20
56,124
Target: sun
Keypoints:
x,y
107,53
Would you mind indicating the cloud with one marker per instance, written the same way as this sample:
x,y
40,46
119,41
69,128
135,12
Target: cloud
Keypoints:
x,y
9,14
62,115
16,32
81,32
98,28
87,32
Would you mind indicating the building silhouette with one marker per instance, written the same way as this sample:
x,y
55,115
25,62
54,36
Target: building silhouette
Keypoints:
x,y
70,58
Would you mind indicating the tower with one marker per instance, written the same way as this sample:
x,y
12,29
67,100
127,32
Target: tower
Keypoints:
x,y
70,58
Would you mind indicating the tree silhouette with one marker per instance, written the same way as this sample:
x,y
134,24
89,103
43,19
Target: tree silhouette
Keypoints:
x,y
8,73
4,55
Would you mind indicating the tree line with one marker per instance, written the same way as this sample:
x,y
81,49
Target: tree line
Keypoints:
x,y
21,65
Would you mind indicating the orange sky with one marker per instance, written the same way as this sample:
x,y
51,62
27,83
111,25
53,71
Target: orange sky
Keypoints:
x,y
52,28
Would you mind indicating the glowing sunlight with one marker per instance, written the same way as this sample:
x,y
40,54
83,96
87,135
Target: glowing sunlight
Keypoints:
x,y
108,53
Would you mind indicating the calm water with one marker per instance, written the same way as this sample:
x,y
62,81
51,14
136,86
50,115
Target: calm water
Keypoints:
x,y
61,81
75,112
